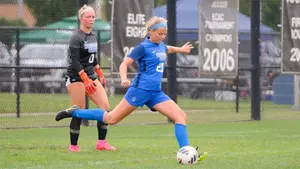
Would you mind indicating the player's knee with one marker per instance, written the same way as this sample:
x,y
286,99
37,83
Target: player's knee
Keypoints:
x,y
110,120
181,117
106,106
82,105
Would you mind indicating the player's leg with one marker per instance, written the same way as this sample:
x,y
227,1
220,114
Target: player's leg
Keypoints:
x,y
162,103
100,97
101,100
169,108
77,93
133,98
122,110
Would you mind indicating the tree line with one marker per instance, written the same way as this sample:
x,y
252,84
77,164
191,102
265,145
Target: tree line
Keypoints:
x,y
49,11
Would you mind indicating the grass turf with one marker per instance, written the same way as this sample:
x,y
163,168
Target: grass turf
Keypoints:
x,y
268,144
31,103
145,140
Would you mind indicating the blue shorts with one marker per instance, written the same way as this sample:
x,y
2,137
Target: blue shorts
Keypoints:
x,y
139,97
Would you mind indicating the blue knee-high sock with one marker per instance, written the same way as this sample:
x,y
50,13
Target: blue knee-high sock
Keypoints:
x,y
89,114
181,135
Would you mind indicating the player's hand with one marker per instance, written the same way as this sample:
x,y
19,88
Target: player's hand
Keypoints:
x,y
89,85
101,77
125,83
186,48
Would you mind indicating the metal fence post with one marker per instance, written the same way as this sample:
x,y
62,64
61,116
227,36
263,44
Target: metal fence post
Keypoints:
x,y
237,91
18,70
255,55
171,37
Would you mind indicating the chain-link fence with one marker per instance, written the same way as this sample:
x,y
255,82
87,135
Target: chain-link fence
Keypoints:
x,y
33,67
33,58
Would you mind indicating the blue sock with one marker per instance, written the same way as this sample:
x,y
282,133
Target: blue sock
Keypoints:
x,y
181,135
89,114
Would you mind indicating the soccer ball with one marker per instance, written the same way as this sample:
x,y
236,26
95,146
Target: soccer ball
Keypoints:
x,y
187,155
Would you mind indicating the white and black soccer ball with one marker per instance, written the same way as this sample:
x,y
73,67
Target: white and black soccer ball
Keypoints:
x,y
187,155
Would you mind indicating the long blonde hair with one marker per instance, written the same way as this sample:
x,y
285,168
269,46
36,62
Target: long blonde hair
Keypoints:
x,y
83,9
152,21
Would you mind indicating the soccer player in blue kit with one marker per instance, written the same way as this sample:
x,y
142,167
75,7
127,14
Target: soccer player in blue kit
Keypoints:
x,y
146,86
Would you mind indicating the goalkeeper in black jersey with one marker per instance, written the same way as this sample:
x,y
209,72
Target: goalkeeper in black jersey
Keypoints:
x,y
85,77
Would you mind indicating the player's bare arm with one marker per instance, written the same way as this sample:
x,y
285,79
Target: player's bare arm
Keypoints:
x,y
186,48
123,72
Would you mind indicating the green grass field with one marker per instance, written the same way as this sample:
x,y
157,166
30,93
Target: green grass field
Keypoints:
x,y
35,103
38,110
145,140
269,144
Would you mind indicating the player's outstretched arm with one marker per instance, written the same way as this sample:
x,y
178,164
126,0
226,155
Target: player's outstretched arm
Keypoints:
x,y
186,48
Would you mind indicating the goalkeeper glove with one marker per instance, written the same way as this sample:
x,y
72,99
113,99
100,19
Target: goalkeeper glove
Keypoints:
x,y
101,77
89,85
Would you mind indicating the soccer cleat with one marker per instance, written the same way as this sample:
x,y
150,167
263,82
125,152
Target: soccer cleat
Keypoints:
x,y
103,145
74,148
66,113
202,156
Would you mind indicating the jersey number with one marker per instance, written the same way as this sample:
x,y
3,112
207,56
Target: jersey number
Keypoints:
x,y
91,59
160,67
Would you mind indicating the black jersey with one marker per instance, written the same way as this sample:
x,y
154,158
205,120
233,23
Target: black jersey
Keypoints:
x,y
82,53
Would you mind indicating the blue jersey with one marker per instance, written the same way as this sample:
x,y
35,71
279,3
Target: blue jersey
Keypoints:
x,y
151,59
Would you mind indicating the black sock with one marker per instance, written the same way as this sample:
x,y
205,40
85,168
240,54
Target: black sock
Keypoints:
x,y
102,130
74,130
